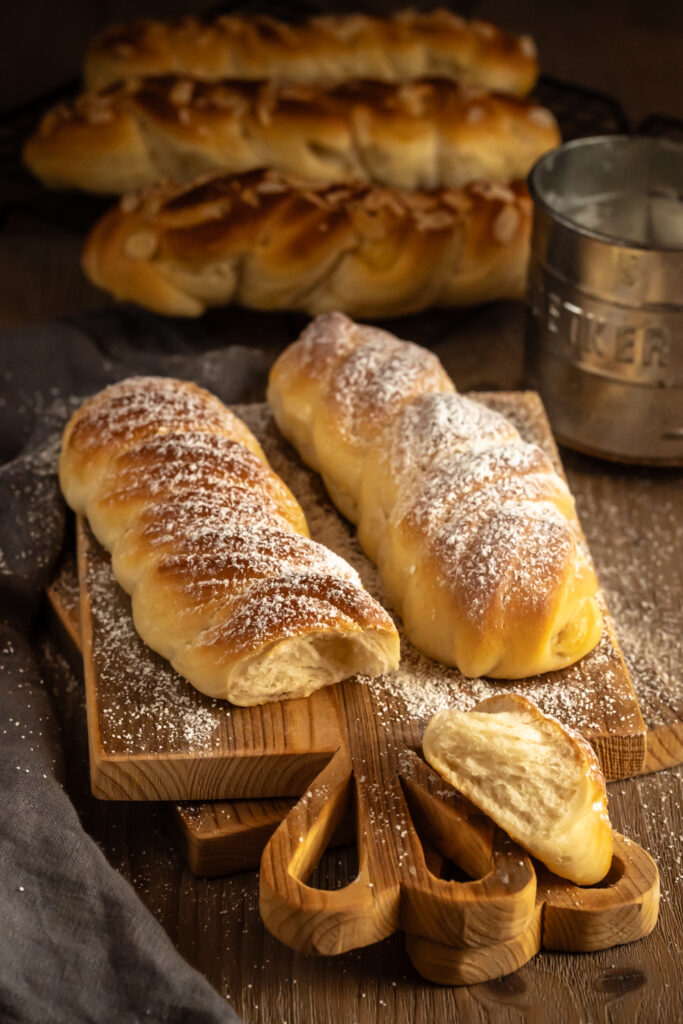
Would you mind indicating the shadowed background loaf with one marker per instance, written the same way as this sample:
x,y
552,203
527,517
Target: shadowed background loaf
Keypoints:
x,y
422,134
325,49
268,241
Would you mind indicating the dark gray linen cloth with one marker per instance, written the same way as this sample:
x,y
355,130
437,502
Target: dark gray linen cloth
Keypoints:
x,y
76,943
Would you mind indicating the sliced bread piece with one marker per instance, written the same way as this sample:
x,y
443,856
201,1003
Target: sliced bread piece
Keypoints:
x,y
538,780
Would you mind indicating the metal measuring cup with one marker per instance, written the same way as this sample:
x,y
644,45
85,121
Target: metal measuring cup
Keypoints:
x,y
605,298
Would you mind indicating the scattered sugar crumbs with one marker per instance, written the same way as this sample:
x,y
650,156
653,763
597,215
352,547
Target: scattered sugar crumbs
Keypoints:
x,y
639,579
149,707
658,827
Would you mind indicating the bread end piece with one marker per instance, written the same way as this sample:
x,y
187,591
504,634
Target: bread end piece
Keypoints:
x,y
288,638
536,779
91,144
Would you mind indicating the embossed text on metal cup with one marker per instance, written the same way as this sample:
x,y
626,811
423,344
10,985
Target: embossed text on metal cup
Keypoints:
x,y
605,296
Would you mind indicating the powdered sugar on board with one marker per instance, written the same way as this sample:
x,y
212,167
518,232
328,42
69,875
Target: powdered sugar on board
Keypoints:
x,y
638,557
148,708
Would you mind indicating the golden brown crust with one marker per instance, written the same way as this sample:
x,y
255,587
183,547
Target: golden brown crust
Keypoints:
x,y
327,49
205,538
268,241
422,134
113,420
178,466
474,533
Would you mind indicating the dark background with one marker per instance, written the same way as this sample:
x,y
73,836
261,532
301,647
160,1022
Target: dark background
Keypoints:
x,y
632,49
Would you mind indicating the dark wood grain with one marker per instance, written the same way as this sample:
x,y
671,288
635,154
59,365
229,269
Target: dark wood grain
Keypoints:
x,y
634,527
217,926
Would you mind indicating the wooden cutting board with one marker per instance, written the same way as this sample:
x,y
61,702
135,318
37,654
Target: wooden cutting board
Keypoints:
x,y
501,894
152,736
491,900
565,918
210,832
456,931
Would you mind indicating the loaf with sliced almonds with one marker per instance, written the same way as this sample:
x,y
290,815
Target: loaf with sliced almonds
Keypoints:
x,y
538,780
265,240
474,533
326,49
417,135
214,549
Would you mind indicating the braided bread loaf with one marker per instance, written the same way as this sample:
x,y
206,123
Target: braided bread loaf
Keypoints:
x,y
270,242
423,134
328,49
214,549
474,533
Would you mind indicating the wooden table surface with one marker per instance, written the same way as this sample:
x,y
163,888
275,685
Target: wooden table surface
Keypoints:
x,y
634,525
